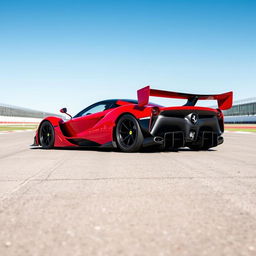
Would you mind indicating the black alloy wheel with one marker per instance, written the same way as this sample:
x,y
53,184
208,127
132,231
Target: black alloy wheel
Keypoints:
x,y
128,134
46,135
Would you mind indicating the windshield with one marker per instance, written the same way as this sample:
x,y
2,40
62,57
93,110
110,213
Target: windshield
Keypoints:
x,y
96,108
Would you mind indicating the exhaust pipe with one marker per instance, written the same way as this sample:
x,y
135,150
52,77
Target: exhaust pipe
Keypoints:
x,y
152,141
158,140
220,140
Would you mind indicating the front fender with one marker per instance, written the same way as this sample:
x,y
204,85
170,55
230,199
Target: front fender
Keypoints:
x,y
55,121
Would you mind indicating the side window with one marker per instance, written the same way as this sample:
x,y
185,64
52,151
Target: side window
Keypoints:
x,y
112,105
95,109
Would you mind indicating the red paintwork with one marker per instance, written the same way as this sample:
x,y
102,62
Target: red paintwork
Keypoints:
x,y
225,100
99,127
96,127
188,107
61,140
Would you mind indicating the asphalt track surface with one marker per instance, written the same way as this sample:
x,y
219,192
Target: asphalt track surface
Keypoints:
x,y
85,202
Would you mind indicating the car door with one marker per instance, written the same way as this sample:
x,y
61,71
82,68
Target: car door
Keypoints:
x,y
79,126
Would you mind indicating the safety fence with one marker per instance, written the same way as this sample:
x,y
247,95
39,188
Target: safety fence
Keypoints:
x,y
9,110
243,111
18,116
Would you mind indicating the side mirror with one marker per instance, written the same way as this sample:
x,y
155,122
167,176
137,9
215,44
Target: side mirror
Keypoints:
x,y
64,110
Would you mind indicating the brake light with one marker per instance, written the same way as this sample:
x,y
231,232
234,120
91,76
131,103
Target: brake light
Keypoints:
x,y
219,114
155,111
220,117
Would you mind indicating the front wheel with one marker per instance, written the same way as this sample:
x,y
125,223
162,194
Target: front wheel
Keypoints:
x,y
129,137
46,135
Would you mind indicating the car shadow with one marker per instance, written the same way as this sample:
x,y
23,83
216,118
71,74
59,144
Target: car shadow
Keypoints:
x,y
143,150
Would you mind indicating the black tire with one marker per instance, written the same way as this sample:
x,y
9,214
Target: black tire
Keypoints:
x,y
46,135
129,137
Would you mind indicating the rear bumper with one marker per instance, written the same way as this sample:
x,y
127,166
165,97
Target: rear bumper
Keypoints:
x,y
177,139
178,132
205,139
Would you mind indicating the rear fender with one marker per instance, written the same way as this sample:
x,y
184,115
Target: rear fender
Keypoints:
x,y
108,123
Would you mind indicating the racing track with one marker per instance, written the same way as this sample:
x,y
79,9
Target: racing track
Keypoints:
x,y
81,202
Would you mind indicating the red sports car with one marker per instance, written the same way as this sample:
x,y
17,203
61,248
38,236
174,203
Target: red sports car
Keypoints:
x,y
129,125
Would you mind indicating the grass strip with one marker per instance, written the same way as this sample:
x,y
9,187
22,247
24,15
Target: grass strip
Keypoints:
x,y
15,128
240,129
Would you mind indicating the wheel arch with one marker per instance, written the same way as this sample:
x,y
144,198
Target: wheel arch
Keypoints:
x,y
54,121
39,127
38,130
116,121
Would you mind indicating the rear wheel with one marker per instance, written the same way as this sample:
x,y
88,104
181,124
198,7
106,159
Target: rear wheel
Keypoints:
x,y
46,135
129,137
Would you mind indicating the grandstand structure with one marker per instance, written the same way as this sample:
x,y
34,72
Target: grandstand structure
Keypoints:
x,y
12,114
243,111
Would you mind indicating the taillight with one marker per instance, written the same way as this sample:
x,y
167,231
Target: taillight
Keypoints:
x,y
155,111
219,114
220,117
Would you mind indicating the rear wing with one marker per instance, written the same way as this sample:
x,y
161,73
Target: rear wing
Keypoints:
x,y
225,100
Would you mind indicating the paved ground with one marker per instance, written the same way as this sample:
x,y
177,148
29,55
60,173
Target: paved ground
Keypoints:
x,y
80,202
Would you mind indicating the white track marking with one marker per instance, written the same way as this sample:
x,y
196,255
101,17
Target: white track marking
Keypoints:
x,y
240,132
8,132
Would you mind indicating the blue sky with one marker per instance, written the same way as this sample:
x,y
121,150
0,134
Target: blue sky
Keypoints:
x,y
73,53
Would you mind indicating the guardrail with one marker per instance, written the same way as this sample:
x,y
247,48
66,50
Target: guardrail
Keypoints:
x,y
19,121
14,111
240,119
